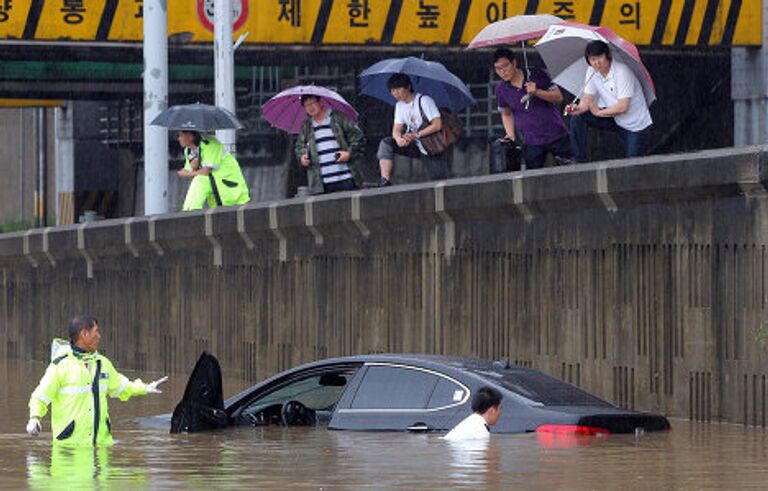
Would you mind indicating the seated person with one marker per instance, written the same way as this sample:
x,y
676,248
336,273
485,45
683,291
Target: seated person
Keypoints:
x,y
408,129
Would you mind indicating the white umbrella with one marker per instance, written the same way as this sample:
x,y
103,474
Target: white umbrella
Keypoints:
x,y
562,49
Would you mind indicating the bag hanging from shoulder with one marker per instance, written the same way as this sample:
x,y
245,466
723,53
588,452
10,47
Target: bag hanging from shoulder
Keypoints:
x,y
440,141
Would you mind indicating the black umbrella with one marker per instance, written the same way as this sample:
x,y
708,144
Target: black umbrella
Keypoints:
x,y
197,117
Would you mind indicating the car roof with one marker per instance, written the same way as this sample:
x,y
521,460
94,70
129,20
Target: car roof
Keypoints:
x,y
450,365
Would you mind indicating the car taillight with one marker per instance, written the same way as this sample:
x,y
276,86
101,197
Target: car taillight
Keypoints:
x,y
572,430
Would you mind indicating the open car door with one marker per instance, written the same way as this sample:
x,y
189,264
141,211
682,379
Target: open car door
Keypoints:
x,y
202,407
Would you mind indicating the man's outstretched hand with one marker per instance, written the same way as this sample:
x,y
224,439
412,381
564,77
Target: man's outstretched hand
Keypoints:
x,y
152,386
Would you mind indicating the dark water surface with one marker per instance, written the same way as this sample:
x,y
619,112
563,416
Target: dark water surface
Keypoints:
x,y
691,456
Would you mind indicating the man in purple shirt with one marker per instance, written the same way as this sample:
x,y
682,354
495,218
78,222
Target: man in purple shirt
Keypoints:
x,y
528,103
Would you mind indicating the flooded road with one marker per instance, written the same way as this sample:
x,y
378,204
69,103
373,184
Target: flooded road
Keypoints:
x,y
691,456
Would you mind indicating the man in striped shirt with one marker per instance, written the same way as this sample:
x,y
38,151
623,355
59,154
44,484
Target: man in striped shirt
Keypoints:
x,y
330,147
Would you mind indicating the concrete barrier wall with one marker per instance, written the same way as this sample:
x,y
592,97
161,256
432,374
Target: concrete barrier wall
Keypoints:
x,y
645,281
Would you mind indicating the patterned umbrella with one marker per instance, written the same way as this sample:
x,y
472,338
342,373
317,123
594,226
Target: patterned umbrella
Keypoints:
x,y
513,30
285,111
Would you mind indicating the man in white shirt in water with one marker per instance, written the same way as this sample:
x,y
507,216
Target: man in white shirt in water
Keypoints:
x,y
486,407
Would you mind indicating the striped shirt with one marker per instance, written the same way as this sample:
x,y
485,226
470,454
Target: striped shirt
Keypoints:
x,y
327,148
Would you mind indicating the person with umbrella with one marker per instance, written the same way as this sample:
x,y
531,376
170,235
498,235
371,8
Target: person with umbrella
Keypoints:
x,y
623,107
215,174
528,102
330,147
416,116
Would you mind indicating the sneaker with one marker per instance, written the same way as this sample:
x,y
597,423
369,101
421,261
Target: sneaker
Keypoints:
x,y
377,184
564,161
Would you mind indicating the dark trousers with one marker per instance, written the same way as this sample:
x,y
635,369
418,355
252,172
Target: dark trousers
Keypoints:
x,y
334,187
634,141
535,155
435,166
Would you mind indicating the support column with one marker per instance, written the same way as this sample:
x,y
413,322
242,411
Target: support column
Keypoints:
x,y
749,91
65,165
224,65
41,220
155,101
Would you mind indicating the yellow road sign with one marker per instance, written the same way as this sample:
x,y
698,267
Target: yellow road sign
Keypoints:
x,y
678,23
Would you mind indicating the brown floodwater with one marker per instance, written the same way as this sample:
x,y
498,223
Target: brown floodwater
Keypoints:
x,y
691,456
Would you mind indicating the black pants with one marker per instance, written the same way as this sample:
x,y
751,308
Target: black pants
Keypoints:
x,y
535,155
334,187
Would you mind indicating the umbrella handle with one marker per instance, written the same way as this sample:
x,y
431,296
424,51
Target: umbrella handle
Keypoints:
x,y
583,86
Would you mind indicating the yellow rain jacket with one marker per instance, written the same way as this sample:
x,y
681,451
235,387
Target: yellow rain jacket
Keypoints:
x,y
76,385
225,186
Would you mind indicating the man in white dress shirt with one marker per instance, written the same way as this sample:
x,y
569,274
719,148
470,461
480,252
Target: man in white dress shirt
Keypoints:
x,y
612,100
486,407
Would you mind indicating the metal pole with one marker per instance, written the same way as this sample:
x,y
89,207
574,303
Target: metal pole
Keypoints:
x,y
64,160
41,155
155,101
22,141
224,65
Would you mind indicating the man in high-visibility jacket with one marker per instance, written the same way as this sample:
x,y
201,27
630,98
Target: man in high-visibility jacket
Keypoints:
x,y
216,175
76,385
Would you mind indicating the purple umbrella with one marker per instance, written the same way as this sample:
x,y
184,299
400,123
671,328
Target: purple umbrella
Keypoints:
x,y
285,111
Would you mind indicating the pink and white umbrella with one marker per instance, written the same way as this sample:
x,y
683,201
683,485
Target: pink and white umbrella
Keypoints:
x,y
513,30
562,50
285,111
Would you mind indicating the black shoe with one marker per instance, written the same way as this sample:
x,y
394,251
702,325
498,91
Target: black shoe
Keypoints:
x,y
377,184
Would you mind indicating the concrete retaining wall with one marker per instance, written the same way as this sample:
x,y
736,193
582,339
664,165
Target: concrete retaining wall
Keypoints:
x,y
645,281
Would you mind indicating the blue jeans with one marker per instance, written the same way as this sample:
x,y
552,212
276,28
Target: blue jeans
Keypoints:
x,y
634,141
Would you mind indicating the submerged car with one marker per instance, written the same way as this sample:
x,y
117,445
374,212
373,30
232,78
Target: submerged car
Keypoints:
x,y
401,392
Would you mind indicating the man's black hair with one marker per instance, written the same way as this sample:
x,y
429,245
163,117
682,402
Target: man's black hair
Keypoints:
x,y
400,81
196,137
306,97
504,53
485,398
597,48
80,323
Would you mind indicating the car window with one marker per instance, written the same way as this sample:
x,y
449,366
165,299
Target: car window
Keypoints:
x,y
542,388
446,393
317,392
389,387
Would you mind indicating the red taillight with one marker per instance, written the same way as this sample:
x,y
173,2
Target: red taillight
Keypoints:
x,y
572,430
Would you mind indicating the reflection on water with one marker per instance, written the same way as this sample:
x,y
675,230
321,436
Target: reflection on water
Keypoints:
x,y
691,456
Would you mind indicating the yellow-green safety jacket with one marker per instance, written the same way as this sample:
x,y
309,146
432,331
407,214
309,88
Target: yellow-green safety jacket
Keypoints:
x,y
227,178
76,385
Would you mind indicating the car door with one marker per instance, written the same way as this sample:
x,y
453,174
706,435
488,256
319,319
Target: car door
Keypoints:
x,y
390,396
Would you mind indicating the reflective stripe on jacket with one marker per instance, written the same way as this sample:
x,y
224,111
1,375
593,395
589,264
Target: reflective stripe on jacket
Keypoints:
x,y
77,392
